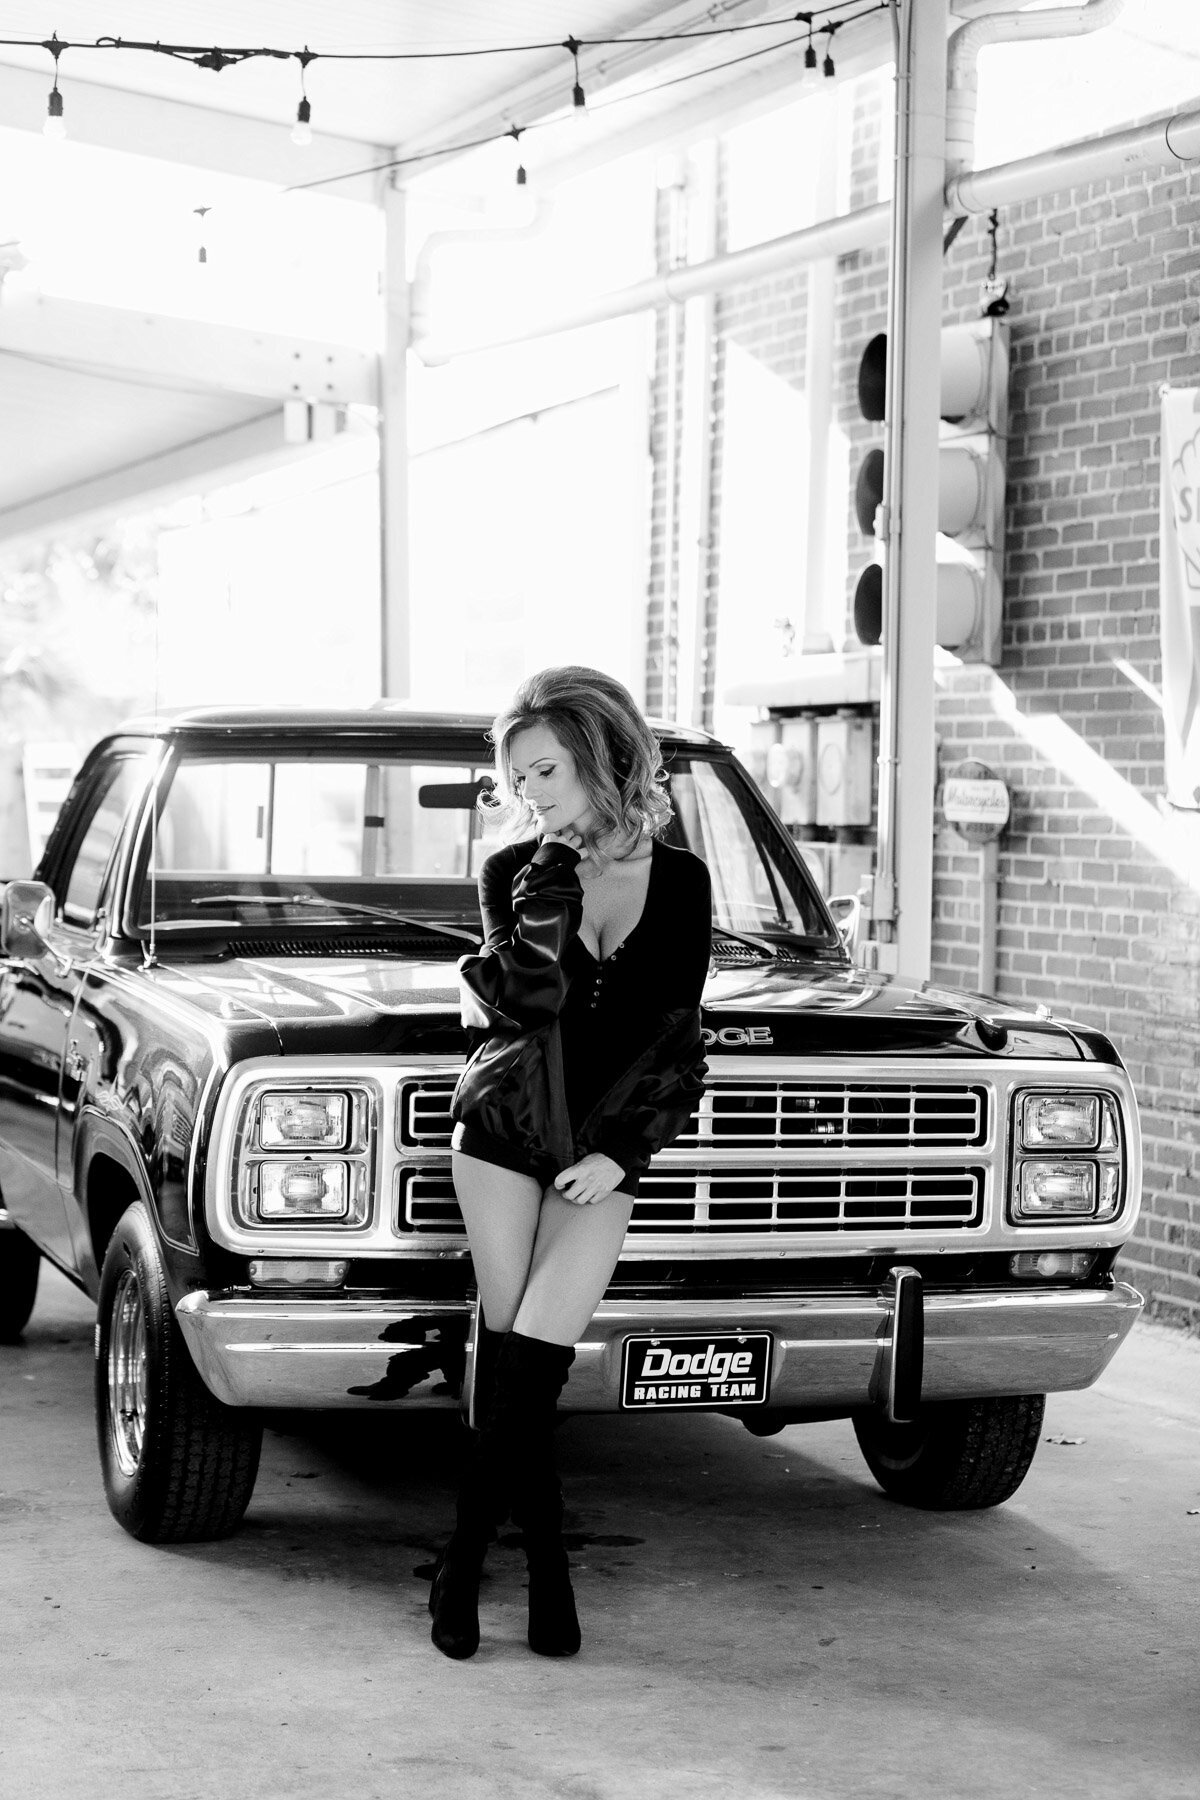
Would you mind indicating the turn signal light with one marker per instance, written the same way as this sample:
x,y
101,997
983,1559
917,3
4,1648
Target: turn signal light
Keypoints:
x,y
1052,1265
276,1271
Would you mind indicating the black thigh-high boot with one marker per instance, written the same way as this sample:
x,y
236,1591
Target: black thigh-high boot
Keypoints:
x,y
482,1505
529,1379
488,1345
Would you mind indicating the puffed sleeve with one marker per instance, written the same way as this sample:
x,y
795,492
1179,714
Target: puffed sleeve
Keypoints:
x,y
516,981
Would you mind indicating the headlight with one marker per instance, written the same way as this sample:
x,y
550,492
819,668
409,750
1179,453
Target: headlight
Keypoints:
x,y
304,1190
305,1156
1081,1177
304,1120
1055,1190
1049,1121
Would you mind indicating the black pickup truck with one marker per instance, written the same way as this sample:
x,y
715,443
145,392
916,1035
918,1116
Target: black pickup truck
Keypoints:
x,y
229,1034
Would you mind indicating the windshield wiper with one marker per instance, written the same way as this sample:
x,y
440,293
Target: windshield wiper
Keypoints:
x,y
344,906
752,943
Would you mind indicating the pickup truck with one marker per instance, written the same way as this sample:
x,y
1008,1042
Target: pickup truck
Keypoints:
x,y
229,1036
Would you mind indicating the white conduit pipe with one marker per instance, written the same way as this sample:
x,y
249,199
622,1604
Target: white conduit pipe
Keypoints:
x,y
962,74
859,230
1176,136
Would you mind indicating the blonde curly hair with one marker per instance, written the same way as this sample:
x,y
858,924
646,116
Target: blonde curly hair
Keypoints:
x,y
617,757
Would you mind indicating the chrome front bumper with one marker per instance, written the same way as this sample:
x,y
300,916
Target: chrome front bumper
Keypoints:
x,y
830,1350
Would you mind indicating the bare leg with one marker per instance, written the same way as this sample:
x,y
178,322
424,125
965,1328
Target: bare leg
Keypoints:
x,y
575,1251
501,1211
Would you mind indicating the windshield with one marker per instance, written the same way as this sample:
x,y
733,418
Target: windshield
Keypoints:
x,y
283,843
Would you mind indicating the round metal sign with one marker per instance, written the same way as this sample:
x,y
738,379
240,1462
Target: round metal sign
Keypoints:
x,y
975,801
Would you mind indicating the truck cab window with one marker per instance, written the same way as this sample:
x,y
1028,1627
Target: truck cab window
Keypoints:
x,y
84,878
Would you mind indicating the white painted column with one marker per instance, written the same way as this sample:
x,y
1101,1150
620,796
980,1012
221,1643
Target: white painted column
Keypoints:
x,y
695,453
818,395
395,659
903,899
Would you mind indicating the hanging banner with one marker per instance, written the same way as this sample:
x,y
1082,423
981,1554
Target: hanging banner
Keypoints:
x,y
1179,585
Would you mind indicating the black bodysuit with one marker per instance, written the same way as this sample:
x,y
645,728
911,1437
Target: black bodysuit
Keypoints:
x,y
613,1006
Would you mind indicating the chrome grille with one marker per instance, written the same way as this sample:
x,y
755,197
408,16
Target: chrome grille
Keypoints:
x,y
786,1114
767,1115
754,1200
424,1113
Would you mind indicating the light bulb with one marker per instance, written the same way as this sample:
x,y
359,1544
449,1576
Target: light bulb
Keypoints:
x,y
54,125
302,129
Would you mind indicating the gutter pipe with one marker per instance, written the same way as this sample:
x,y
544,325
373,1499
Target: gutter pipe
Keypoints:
x,y
962,73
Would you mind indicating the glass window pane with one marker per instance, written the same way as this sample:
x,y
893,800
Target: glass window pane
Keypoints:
x,y
215,819
756,888
86,879
317,819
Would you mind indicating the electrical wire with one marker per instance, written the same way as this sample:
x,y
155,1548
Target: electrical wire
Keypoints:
x,y
216,57
495,137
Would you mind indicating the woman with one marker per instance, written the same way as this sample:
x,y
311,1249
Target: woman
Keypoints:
x,y
583,1008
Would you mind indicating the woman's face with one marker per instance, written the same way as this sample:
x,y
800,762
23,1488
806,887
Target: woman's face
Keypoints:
x,y
543,773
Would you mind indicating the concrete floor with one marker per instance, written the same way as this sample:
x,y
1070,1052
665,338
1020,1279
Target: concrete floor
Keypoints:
x,y
758,1620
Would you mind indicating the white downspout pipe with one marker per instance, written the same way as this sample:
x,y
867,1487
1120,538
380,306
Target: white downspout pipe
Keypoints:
x,y
962,75
420,290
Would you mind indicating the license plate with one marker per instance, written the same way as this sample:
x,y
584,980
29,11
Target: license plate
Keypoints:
x,y
728,1369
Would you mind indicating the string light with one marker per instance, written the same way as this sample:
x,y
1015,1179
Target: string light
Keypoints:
x,y
217,58
202,213
810,52
827,65
302,129
54,125
462,146
578,97
522,177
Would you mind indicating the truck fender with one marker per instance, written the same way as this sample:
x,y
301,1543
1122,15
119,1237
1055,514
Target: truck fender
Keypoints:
x,y
99,1134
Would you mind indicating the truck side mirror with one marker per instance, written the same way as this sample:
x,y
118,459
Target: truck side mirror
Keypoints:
x,y
847,916
26,914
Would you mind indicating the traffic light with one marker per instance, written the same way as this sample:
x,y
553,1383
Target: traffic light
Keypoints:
x,y
971,477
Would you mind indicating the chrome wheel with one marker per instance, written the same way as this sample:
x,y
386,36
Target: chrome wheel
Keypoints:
x,y
127,1374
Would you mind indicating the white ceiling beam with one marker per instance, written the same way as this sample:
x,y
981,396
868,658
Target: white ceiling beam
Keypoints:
x,y
75,334
200,137
153,476
230,454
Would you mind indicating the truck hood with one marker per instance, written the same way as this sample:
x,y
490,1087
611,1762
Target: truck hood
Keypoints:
x,y
376,1007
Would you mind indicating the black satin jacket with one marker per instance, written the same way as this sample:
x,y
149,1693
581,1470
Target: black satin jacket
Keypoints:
x,y
516,987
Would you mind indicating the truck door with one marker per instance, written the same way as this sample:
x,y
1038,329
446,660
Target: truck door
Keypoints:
x,y
41,1073
34,1010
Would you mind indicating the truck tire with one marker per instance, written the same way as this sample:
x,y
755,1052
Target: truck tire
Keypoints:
x,y
178,1465
20,1265
957,1456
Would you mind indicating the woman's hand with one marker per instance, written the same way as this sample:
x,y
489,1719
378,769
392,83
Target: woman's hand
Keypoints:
x,y
570,837
591,1179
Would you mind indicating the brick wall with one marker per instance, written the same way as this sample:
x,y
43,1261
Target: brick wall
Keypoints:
x,y
1092,921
